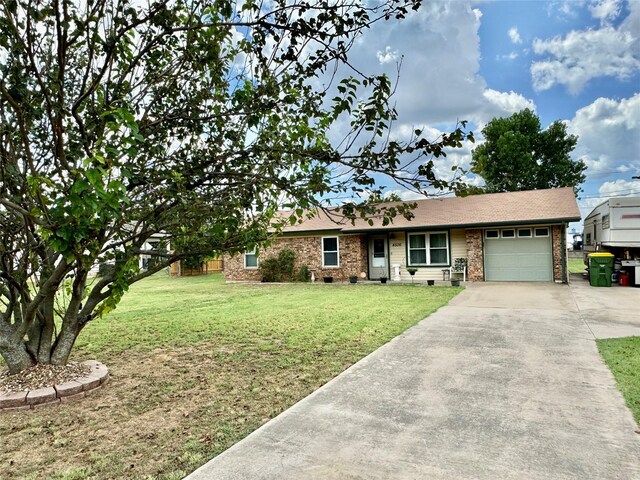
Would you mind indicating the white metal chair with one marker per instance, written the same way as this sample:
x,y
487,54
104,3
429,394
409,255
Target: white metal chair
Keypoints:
x,y
459,267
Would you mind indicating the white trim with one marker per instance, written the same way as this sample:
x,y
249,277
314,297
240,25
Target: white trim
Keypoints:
x,y
337,252
517,229
245,260
537,228
427,248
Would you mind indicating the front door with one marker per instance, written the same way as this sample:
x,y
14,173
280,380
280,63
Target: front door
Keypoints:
x,y
378,257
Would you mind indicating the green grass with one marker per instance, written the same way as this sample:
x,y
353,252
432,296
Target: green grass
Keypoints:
x,y
576,265
622,356
196,365
174,312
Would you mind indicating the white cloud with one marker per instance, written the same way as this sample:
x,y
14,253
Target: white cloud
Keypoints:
x,y
496,104
564,9
387,56
611,189
632,22
583,55
508,102
439,81
514,35
501,104
443,166
405,195
609,136
620,188
440,47
605,10
508,56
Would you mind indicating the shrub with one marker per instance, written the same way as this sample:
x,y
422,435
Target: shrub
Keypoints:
x,y
304,274
194,263
270,270
280,268
286,259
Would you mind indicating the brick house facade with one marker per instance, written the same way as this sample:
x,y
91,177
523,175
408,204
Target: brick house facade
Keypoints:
x,y
513,236
475,256
558,232
353,255
308,250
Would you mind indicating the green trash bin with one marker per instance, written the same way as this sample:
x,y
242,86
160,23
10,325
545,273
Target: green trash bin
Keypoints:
x,y
600,269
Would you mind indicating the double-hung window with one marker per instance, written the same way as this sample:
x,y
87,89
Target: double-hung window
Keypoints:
x,y
428,249
418,249
251,259
330,252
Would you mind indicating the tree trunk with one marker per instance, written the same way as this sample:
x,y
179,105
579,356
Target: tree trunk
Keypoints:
x,y
64,344
16,357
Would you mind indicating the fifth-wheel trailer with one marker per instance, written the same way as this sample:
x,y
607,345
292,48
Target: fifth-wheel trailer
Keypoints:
x,y
614,226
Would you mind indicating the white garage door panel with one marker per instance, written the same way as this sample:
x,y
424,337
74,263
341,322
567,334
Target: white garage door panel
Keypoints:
x,y
519,260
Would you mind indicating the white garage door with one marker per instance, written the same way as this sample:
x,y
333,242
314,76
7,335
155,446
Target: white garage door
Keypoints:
x,y
518,255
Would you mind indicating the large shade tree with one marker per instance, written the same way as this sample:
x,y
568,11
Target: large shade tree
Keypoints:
x,y
519,155
195,120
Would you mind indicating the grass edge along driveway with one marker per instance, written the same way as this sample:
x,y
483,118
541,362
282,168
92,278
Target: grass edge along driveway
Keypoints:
x,y
622,356
196,365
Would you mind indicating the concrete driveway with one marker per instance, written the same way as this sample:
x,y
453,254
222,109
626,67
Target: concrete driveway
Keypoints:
x,y
504,382
609,312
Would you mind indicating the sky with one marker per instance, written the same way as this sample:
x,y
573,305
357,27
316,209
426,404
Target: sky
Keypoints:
x,y
574,61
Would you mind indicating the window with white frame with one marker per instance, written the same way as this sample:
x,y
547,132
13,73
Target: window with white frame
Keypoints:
x,y
542,231
492,234
330,252
251,259
524,233
428,248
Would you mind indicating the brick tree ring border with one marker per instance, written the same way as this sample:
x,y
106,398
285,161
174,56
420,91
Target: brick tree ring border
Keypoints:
x,y
61,393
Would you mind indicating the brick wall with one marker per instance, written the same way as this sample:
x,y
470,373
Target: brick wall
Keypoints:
x,y
308,250
475,256
556,238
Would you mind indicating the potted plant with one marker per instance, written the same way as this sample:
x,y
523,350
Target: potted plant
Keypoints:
x,y
383,279
411,271
353,278
459,264
328,279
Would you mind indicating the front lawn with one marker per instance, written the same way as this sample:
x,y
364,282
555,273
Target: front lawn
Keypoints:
x,y
622,356
196,365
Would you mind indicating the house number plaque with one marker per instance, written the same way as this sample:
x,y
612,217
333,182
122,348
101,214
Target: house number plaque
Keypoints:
x,y
396,244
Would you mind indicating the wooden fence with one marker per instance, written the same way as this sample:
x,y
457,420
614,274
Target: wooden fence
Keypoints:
x,y
212,266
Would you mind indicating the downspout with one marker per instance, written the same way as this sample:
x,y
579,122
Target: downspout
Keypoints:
x,y
563,244
367,240
389,256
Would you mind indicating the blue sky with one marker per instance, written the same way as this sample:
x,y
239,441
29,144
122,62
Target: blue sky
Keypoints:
x,y
576,61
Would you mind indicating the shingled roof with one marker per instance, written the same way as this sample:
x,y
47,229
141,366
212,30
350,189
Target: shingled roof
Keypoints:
x,y
528,207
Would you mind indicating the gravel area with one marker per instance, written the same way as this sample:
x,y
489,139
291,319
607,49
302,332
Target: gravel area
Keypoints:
x,y
41,376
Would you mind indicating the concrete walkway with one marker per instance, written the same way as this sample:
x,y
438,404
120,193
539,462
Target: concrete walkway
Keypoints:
x,y
505,382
